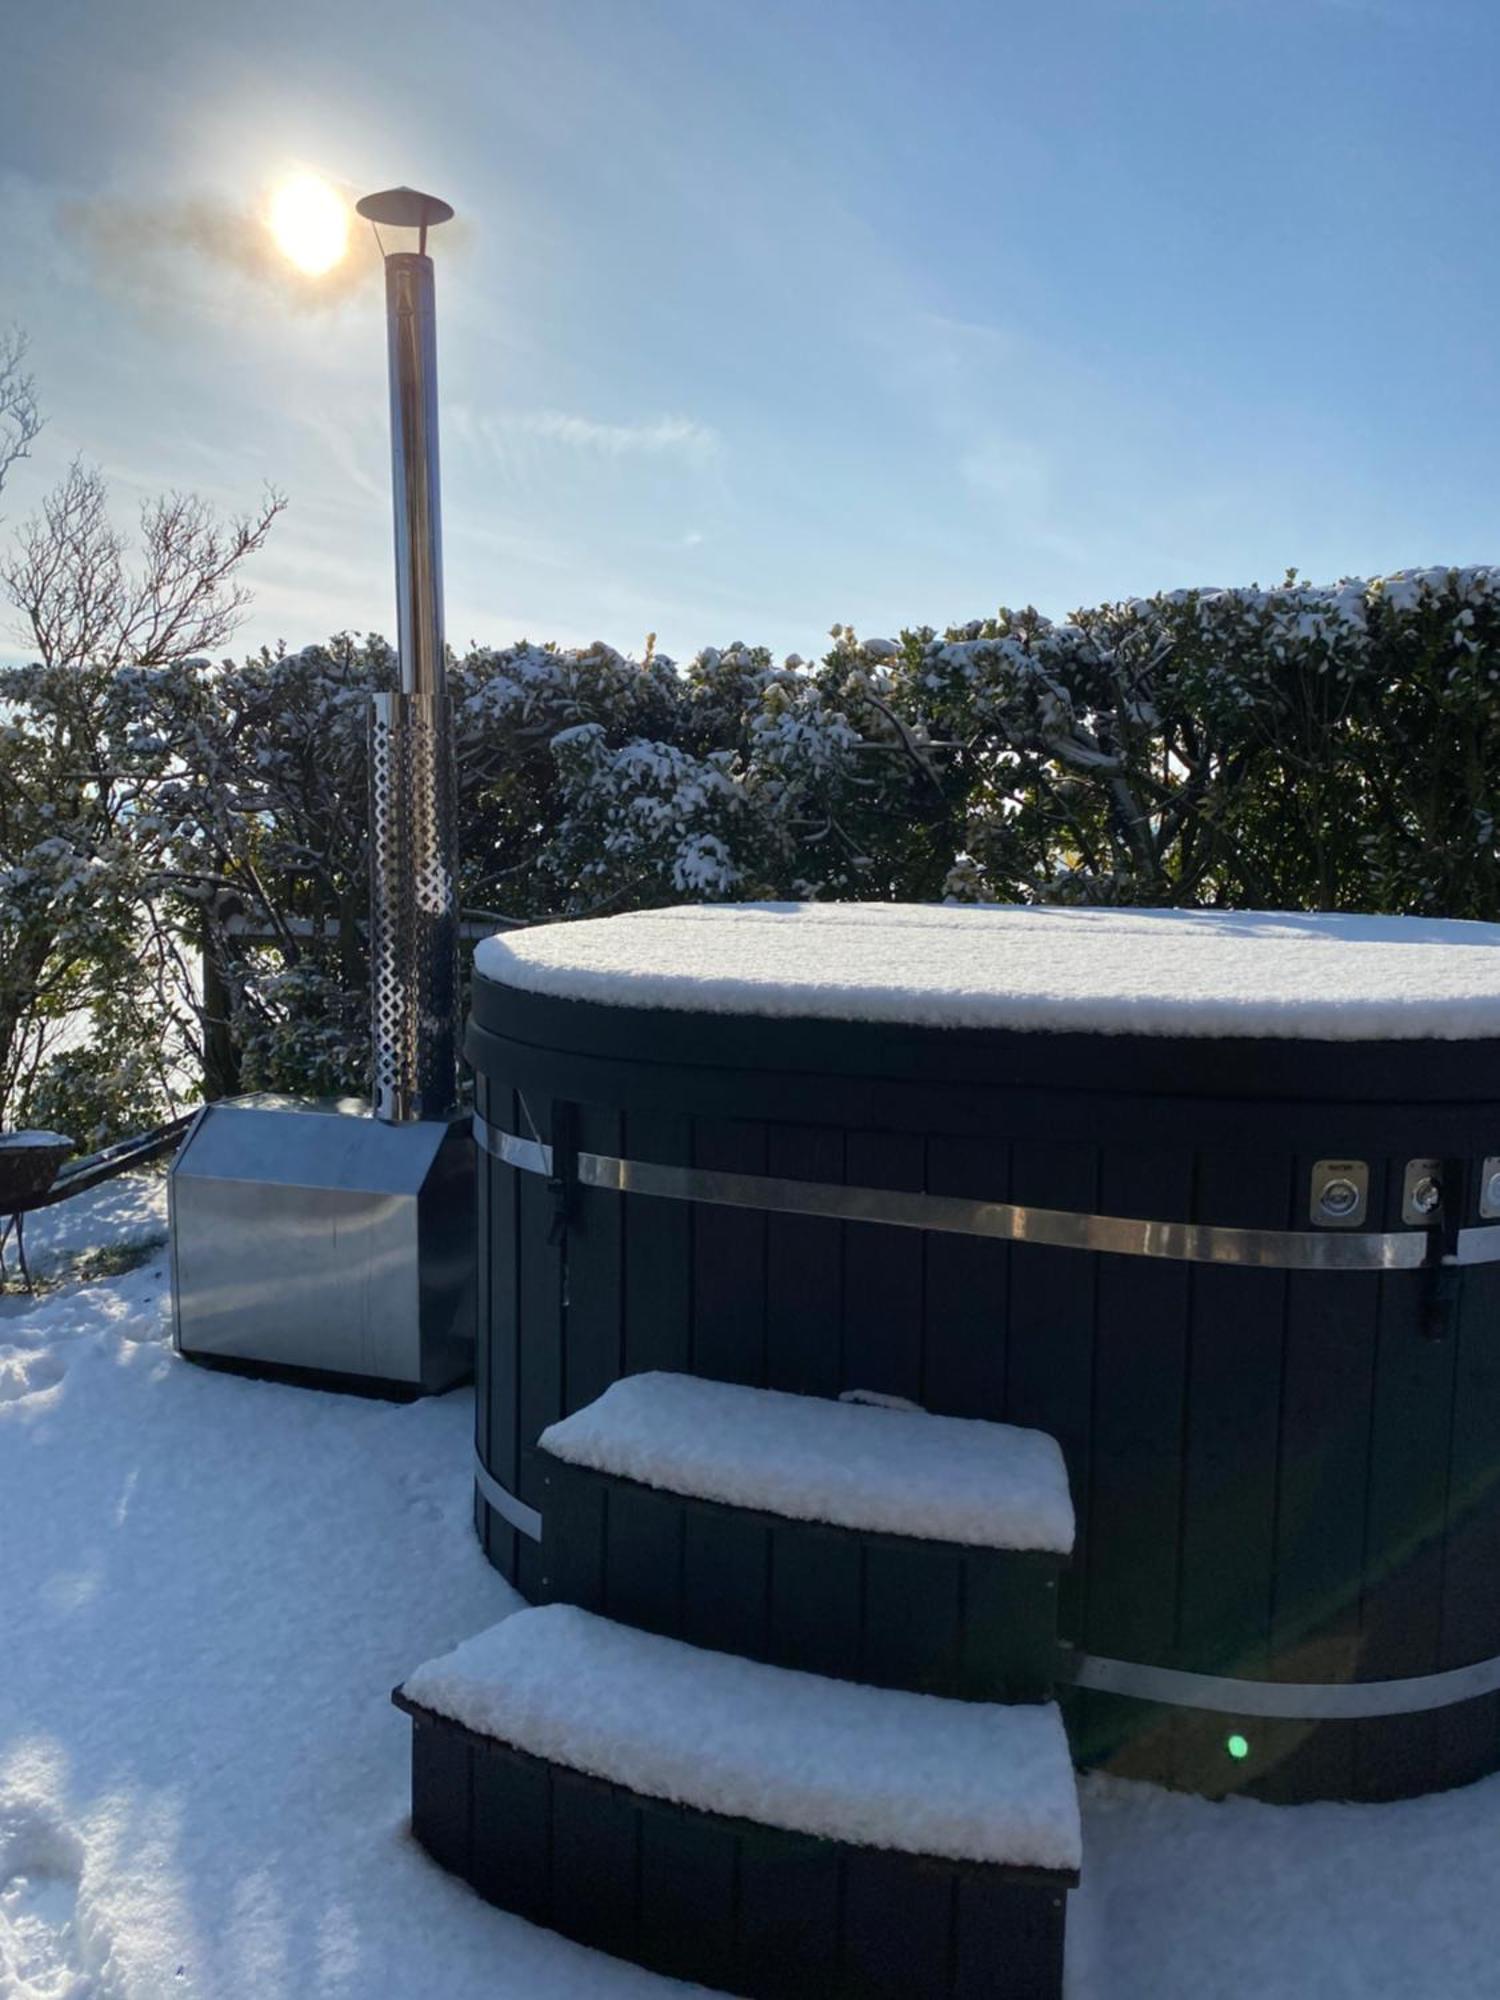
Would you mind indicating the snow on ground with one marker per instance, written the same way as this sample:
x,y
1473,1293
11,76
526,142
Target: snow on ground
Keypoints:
x,y
208,1587
1098,971
127,1213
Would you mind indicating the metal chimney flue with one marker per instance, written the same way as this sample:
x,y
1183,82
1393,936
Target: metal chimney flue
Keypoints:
x,y
413,790
310,1238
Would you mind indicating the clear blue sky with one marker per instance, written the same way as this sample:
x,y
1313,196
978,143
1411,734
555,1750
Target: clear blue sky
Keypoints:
x,y
766,314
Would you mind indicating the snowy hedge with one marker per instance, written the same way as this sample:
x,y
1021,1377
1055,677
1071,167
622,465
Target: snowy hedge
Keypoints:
x,y
1301,747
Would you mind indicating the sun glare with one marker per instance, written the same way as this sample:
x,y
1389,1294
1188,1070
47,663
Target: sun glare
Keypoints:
x,y
310,223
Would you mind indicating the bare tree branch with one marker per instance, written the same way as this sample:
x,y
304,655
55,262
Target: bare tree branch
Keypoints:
x,y
80,603
20,413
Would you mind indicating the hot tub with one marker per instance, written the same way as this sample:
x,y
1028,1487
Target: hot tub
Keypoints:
x,y
1212,1198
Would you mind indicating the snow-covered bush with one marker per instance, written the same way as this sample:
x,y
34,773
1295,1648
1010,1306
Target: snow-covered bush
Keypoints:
x,y
1297,747
96,1015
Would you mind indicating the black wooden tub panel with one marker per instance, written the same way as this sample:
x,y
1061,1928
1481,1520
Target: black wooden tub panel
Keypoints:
x,y
1467,1740
1282,1475
497,1357
804,1267
741,1908
1134,1526
1230,1456
729,1260
888,1610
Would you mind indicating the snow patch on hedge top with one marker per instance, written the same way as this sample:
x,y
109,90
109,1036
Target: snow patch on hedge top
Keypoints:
x,y
873,1766
1314,977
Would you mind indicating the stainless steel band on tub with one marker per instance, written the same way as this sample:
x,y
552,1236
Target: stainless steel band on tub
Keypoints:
x,y
530,1155
1172,1687
1010,1222
505,1503
1290,1701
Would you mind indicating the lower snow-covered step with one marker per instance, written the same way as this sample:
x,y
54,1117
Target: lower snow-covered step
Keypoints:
x,y
883,1545
766,1832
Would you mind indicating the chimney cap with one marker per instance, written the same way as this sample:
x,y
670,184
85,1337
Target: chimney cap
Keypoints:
x,y
404,208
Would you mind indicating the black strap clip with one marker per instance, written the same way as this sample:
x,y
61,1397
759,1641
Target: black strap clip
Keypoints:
x,y
563,1184
1445,1273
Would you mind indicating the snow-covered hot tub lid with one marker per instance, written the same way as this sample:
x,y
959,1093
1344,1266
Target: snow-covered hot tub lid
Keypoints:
x,y
1206,973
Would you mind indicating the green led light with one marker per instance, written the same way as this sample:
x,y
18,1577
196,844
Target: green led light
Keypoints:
x,y
1237,1746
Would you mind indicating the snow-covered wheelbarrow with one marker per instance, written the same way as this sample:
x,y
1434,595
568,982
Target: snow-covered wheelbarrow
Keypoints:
x,y
28,1166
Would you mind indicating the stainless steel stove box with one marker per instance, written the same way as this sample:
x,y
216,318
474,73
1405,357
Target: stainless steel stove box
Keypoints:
x,y
315,1236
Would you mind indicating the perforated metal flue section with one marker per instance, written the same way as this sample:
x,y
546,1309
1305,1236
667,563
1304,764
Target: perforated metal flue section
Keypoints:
x,y
413,907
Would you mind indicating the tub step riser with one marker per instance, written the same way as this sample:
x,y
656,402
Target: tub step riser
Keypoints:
x,y
887,1610
746,1909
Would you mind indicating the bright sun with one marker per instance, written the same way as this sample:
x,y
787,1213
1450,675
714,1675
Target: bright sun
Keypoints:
x,y
310,223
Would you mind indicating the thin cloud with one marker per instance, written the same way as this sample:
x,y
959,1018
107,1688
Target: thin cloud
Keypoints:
x,y
676,437
159,254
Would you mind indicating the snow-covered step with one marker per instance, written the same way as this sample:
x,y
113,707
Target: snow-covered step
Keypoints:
x,y
766,1832
883,1545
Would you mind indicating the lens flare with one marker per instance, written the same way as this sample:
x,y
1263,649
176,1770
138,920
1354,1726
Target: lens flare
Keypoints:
x,y
310,223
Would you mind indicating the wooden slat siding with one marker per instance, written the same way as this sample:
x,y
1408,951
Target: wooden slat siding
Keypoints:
x,y
725,1581
539,1398
965,1303
499,1338
882,1319
642,1878
1050,1340
1468,1737
977,1624
897,1928
1135,1486
658,1253
594,1304
484,1264
816,1586
1134,1076
689,1870
1008,1939
486,1168
1009,1639
595,1864
729,1261
1400,1616
643,1559
788,1916
911,1617
512,1831
1229,1470
440,1793
804,1268
1333,1323
573,1545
